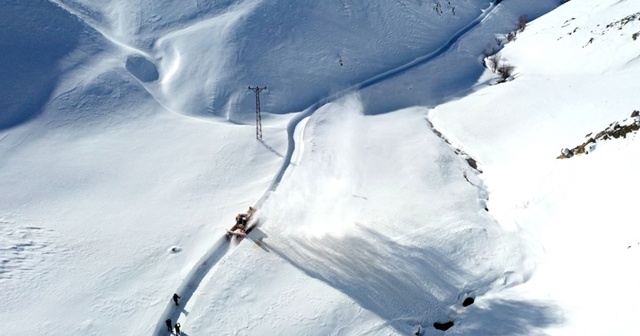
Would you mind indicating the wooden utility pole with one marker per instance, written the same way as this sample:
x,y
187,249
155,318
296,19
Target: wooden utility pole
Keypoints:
x,y
257,90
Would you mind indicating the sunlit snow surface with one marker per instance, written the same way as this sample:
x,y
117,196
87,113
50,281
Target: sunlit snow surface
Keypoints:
x,y
127,147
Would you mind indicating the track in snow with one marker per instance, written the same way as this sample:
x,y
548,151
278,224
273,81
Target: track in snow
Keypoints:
x,y
192,282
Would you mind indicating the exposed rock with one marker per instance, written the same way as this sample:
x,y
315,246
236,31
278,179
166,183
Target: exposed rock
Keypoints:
x,y
443,326
613,131
566,153
468,301
472,163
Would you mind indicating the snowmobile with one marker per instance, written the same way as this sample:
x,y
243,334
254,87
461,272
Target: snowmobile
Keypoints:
x,y
243,224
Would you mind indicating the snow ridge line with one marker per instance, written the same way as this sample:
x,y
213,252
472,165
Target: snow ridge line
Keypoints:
x,y
217,252
100,31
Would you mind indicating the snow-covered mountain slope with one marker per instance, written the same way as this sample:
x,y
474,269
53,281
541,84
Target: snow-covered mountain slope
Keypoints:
x,y
354,214
576,73
303,50
127,146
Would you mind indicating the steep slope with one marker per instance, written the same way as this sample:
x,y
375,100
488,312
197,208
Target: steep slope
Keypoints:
x,y
302,51
32,63
576,73
98,182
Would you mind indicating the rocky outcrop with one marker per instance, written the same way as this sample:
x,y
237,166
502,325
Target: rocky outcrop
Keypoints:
x,y
613,131
443,326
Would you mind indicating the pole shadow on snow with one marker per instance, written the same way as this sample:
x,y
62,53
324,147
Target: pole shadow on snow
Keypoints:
x,y
408,286
190,284
35,37
271,149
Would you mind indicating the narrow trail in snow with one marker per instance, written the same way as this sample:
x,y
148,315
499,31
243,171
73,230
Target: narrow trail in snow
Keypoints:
x,y
192,282
218,251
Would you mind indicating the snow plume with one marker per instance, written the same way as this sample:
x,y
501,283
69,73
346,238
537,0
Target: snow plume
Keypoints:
x,y
397,229
317,197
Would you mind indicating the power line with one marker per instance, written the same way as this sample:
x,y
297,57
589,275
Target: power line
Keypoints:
x,y
257,90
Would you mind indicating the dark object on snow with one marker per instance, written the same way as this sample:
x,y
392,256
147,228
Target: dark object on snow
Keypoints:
x,y
142,68
169,327
418,332
177,328
566,153
175,298
635,113
443,326
468,301
472,163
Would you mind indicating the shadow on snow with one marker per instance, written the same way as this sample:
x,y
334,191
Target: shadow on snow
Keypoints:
x,y
508,318
35,37
410,286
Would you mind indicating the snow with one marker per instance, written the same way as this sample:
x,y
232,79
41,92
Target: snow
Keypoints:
x,y
128,145
580,210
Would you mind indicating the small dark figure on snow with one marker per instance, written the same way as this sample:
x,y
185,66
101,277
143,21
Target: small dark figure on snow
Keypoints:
x,y
169,327
175,298
177,328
